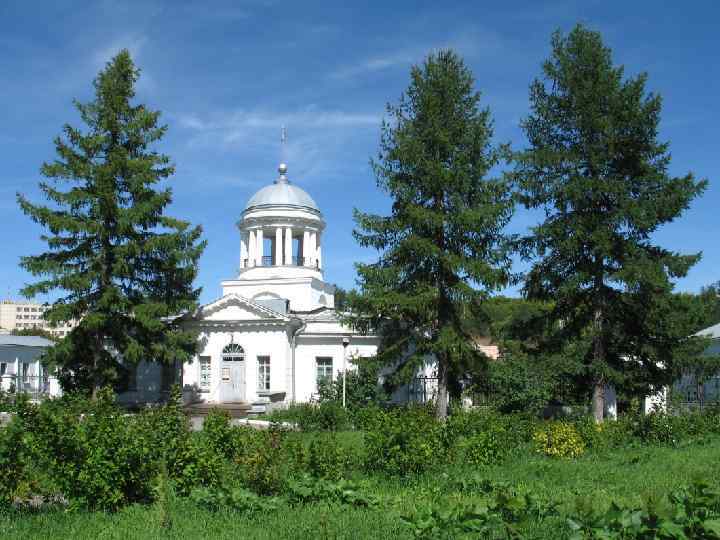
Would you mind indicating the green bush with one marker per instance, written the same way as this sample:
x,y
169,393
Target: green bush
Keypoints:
x,y
326,459
487,447
325,416
404,441
559,439
515,429
100,460
196,464
13,460
219,434
265,467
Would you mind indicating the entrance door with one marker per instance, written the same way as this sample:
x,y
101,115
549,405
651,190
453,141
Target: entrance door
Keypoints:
x,y
232,374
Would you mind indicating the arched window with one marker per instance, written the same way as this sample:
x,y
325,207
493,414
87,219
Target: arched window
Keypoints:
x,y
233,353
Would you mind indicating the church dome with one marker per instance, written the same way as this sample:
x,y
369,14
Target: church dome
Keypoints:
x,y
282,193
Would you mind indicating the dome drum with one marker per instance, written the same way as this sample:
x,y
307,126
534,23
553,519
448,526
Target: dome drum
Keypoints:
x,y
281,226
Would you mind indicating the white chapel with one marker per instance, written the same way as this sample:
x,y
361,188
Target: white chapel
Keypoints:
x,y
274,333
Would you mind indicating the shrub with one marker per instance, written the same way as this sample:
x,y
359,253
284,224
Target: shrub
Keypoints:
x,y
219,434
487,447
101,460
365,418
196,464
361,386
559,439
404,441
514,429
265,466
13,460
326,459
326,416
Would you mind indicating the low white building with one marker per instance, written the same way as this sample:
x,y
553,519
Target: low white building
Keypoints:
x,y
21,369
274,333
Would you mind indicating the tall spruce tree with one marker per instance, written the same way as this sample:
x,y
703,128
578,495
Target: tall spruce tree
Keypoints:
x,y
442,248
125,268
596,168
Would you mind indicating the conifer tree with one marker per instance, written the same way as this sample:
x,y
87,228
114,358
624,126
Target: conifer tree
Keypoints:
x,y
597,169
124,269
442,248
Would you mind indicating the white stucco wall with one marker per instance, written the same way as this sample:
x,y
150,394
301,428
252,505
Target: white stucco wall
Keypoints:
x,y
255,341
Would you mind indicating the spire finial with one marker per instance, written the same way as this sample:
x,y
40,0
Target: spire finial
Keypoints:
x,y
282,168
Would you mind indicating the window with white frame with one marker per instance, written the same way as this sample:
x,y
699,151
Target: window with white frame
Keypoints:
x,y
263,376
205,373
324,369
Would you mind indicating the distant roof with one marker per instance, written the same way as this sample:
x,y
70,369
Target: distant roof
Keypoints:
x,y
712,332
25,341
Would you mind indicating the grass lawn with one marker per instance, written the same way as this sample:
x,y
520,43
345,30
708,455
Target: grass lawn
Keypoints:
x,y
625,475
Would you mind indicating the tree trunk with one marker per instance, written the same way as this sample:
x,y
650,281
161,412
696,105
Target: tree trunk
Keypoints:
x,y
598,397
598,401
97,358
441,407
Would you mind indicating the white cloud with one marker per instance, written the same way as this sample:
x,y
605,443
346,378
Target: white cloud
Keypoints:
x,y
233,127
470,42
378,63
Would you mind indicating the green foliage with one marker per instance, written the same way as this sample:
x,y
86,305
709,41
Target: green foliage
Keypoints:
x,y
237,499
98,460
486,448
125,267
265,467
327,415
442,248
196,463
362,387
307,489
404,441
597,170
13,460
501,516
688,514
33,332
219,434
326,459
510,430
559,439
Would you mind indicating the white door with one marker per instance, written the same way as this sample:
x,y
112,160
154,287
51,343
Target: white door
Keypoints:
x,y
232,380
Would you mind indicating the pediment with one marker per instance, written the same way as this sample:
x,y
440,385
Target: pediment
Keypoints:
x,y
233,307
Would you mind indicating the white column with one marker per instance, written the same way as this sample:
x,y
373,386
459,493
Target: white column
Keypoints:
x,y
278,246
313,248
252,245
319,252
305,248
288,245
243,249
260,247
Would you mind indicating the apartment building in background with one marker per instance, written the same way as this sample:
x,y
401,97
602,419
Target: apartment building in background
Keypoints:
x,y
15,315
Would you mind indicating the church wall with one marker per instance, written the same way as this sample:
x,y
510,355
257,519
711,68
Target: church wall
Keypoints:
x,y
309,348
255,341
297,291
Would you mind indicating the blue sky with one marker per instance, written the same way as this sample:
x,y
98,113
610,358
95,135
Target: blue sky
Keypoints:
x,y
227,75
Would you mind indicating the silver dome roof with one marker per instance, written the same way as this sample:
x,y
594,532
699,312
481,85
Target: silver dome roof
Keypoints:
x,y
282,193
